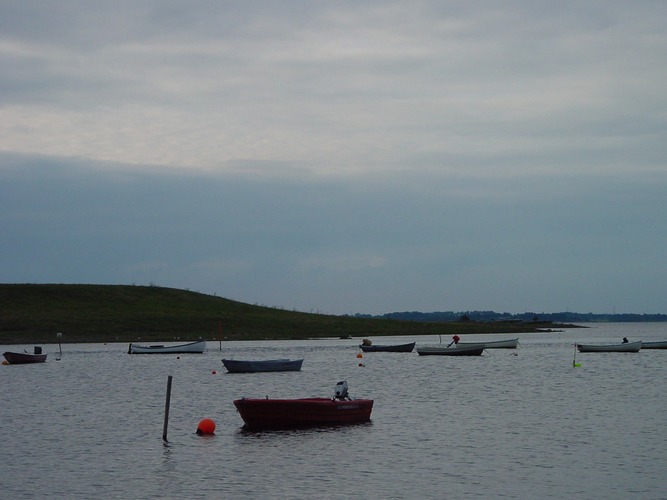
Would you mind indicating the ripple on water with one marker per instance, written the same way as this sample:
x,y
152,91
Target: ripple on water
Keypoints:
x,y
519,424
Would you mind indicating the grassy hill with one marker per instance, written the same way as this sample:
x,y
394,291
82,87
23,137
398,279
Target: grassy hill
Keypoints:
x,y
31,313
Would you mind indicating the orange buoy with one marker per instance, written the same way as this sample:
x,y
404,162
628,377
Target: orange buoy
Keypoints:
x,y
206,426
360,355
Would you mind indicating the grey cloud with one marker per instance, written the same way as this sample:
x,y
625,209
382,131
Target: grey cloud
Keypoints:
x,y
311,244
330,155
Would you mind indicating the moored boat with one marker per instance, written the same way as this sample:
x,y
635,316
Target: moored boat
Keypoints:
x,y
267,365
437,350
23,358
661,344
493,344
624,347
197,347
388,348
264,413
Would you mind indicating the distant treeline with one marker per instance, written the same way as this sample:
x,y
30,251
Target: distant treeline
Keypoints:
x,y
492,316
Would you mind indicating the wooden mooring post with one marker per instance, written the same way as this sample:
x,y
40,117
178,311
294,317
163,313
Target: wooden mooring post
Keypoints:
x,y
166,410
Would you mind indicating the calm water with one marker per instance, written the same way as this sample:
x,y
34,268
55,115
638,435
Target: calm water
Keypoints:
x,y
509,424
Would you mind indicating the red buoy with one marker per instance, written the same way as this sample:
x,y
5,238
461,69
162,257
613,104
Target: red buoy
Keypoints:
x,y
206,426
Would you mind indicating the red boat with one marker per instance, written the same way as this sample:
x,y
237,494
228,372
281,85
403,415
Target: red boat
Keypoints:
x,y
261,414
20,358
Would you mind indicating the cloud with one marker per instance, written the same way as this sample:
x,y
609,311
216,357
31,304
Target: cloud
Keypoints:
x,y
369,246
336,87
335,156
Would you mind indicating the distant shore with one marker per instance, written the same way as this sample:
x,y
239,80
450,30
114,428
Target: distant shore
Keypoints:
x,y
36,313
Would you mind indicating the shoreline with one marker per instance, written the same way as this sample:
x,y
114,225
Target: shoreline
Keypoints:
x,y
440,329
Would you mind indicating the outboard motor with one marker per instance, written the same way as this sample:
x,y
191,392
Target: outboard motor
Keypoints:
x,y
341,390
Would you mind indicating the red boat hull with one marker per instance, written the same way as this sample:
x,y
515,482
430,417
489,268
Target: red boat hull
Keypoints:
x,y
289,413
19,358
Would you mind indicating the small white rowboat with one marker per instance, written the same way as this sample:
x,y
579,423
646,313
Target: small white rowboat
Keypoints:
x,y
494,344
192,347
625,347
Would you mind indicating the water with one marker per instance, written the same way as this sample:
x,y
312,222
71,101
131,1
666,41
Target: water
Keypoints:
x,y
509,424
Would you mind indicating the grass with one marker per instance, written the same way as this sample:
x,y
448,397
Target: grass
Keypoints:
x,y
34,313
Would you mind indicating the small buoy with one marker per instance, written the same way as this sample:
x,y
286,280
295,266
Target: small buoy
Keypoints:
x,y
360,355
361,364
214,372
206,426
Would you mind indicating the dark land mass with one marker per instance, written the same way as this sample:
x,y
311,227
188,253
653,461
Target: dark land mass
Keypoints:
x,y
35,313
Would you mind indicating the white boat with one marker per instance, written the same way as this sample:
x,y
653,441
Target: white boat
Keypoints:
x,y
661,344
494,344
193,347
624,347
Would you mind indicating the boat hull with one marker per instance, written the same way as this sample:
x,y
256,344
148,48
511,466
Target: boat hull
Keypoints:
x,y
474,350
655,345
262,414
388,348
495,344
19,358
197,347
627,347
269,365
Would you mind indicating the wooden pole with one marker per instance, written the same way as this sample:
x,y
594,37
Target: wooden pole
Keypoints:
x,y
166,410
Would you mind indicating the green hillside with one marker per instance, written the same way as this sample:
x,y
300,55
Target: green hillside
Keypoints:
x,y
31,313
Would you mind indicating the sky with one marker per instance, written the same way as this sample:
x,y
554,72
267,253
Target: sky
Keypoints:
x,y
340,157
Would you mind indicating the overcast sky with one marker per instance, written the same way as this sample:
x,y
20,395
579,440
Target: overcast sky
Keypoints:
x,y
340,157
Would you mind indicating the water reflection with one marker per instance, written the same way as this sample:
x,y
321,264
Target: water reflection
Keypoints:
x,y
167,465
517,424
